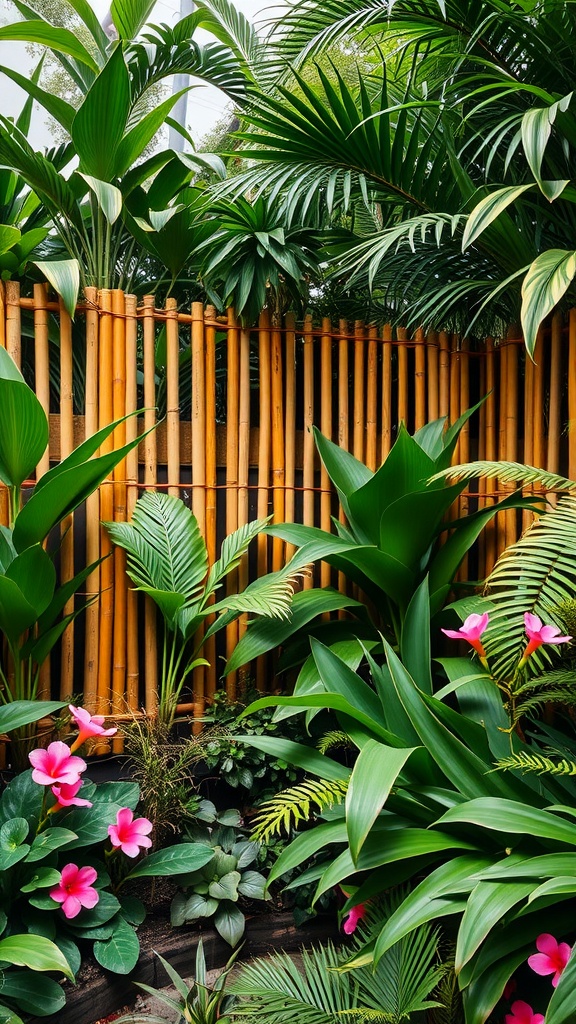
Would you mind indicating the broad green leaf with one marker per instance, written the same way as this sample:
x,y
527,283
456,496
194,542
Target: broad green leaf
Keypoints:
x,y
41,879
109,197
33,994
229,923
8,368
16,613
252,885
373,776
100,121
24,712
415,639
35,952
23,431
49,840
64,276
174,860
226,887
60,39
510,816
546,281
59,109
90,824
34,574
306,845
488,209
120,952
105,911
484,993
487,906
346,472
137,138
9,236
294,753
129,16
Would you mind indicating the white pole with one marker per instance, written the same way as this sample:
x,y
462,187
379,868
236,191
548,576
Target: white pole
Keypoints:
x,y
177,141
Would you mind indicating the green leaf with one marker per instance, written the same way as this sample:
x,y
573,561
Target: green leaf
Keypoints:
x,y
49,840
9,236
58,108
132,910
109,197
100,122
105,911
252,885
373,776
90,824
41,879
33,994
23,429
35,952
22,798
487,906
226,887
60,39
415,639
120,952
488,209
561,1006
24,712
547,280
174,860
512,817
306,845
13,833
229,923
64,276
129,16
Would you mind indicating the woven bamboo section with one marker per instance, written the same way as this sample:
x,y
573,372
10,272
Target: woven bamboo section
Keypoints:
x,y
234,442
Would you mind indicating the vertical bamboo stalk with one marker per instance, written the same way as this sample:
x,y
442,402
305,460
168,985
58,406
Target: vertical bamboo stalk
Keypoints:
x,y
150,480
132,661
503,376
538,432
198,429
243,455
232,418
481,546
290,424
511,382
372,399
403,393
326,428
358,383
120,631
444,369
92,614
13,322
528,451
386,391
455,405
343,420
106,415
464,455
278,446
571,395
308,467
554,414
67,526
42,386
173,403
433,380
420,379
264,446
491,448
210,418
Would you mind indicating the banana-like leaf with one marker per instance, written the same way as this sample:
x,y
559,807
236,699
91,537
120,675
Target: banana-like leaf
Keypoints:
x,y
488,209
109,197
23,712
546,282
513,817
487,906
59,109
64,276
63,40
23,426
373,776
129,16
100,122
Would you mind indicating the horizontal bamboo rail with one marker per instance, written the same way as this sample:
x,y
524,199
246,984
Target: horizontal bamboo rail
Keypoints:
x,y
234,442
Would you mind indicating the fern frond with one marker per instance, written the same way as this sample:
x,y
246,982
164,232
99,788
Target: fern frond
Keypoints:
x,y
525,762
335,738
364,1015
507,472
450,1010
556,679
296,804
540,700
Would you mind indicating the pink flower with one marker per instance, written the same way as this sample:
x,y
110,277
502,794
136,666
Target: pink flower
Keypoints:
x,y
353,917
88,725
55,764
65,794
538,634
75,890
551,958
471,630
523,1014
130,833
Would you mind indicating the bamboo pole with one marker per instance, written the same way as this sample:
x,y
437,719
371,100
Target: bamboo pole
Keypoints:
x,y
491,449
2,314
528,452
210,421
92,614
243,456
372,399
554,412
432,377
278,446
173,403
420,379
482,482
358,385
231,493
309,453
67,525
13,322
290,425
402,352
571,395
198,431
511,410
444,372
386,391
42,362
132,658
538,432
150,479
326,428
503,351
464,453
455,405
264,447
106,415
120,630
343,421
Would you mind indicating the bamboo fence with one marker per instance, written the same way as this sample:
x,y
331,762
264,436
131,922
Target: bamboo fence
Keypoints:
x,y
234,441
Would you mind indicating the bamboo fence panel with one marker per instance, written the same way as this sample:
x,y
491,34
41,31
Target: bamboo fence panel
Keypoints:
x,y
244,446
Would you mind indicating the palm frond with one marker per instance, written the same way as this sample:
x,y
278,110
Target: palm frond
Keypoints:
x,y
364,1015
525,762
507,472
233,548
534,575
298,803
270,595
335,738
537,703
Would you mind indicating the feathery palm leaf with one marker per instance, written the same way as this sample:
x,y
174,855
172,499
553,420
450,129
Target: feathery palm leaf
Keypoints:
x,y
507,472
234,546
295,804
526,762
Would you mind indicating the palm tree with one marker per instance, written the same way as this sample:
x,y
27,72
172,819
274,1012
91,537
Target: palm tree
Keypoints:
x,y
449,163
